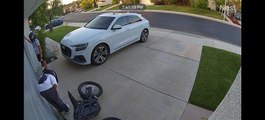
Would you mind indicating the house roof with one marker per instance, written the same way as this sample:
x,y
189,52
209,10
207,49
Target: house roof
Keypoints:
x,y
30,6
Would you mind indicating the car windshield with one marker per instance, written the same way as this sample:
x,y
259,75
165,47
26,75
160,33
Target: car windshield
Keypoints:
x,y
100,22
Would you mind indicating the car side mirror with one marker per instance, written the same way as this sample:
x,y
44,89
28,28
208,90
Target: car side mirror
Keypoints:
x,y
116,27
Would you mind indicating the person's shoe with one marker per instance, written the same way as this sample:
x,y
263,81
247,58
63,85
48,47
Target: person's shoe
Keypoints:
x,y
67,112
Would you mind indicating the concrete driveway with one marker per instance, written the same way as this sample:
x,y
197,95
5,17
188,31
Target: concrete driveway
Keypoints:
x,y
144,81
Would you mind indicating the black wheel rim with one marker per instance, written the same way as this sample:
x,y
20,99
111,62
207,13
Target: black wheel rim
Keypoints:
x,y
100,54
95,89
144,36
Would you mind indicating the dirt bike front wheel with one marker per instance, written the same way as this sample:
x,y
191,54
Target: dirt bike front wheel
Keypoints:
x,y
97,90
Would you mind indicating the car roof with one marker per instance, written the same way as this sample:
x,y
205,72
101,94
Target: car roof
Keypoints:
x,y
118,14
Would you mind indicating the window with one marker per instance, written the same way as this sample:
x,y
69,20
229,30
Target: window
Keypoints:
x,y
100,22
133,19
122,21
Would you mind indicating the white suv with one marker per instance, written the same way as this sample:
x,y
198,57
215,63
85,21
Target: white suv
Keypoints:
x,y
104,35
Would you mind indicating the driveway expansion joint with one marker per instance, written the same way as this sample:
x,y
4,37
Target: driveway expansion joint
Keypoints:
x,y
170,53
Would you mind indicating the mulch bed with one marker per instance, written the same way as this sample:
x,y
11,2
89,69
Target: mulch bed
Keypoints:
x,y
233,20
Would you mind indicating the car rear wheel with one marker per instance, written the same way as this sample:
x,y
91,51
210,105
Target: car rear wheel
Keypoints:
x,y
99,54
144,35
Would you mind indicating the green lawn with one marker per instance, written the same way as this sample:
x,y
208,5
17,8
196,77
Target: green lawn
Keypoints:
x,y
114,8
58,33
209,13
217,71
104,7
185,9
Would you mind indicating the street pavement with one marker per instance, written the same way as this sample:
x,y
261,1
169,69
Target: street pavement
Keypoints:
x,y
143,81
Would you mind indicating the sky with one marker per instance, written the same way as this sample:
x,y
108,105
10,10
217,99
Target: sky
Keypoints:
x,y
67,1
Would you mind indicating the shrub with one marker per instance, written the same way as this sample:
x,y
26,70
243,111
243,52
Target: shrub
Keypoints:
x,y
131,2
158,2
173,1
136,1
192,3
115,1
127,2
86,4
40,35
220,2
208,8
164,2
199,3
167,2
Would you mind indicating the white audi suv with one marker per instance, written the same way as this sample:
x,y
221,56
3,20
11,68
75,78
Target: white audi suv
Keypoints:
x,y
105,34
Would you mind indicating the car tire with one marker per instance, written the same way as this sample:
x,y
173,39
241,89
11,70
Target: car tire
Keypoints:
x,y
100,54
97,90
111,118
144,35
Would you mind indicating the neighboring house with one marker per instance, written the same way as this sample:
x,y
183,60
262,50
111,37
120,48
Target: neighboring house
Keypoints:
x,y
146,2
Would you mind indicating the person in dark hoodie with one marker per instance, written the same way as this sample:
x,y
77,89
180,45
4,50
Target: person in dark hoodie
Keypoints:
x,y
37,48
48,88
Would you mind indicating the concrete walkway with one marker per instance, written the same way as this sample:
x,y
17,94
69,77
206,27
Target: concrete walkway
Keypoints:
x,y
144,81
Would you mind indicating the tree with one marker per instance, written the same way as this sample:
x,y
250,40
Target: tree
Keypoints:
x,y
39,17
220,2
54,8
237,3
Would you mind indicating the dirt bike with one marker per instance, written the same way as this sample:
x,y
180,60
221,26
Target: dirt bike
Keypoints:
x,y
89,107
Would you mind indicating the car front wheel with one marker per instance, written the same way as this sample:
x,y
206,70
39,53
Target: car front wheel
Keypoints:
x,y
144,35
99,54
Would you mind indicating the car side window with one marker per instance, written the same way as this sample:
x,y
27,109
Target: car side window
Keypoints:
x,y
122,21
53,21
100,22
133,19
